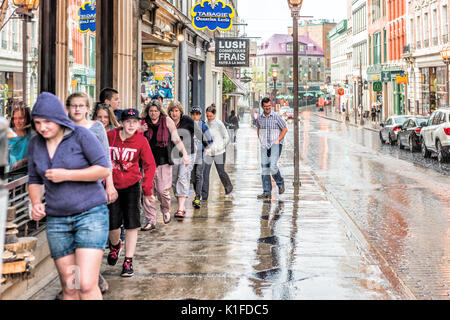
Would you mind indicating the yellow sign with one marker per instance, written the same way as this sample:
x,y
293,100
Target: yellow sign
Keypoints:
x,y
213,16
402,79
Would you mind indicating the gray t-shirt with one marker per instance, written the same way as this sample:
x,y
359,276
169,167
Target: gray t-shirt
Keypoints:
x,y
99,131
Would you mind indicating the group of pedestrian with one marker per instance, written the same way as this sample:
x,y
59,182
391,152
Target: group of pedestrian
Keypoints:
x,y
375,112
97,171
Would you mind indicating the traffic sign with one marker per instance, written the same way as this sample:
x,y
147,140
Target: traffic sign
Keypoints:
x,y
341,91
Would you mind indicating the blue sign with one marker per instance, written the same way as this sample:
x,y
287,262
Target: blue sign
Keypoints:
x,y
87,15
212,16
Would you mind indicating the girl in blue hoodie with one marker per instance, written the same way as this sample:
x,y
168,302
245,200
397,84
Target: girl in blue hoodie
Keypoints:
x,y
68,163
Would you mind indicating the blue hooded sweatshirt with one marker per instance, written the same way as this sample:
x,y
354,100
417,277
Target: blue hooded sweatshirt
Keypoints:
x,y
79,149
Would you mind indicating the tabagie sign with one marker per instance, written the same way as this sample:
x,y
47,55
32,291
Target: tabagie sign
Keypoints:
x,y
232,52
213,16
87,17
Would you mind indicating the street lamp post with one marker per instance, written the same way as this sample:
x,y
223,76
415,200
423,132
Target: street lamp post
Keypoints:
x,y
445,54
25,12
274,93
295,6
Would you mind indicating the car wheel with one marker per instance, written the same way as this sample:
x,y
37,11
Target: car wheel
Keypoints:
x,y
425,152
381,139
391,142
442,156
411,145
399,142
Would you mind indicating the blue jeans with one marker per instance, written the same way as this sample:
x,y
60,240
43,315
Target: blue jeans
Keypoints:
x,y
87,230
269,163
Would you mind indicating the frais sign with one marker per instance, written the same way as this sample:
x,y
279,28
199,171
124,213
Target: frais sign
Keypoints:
x,y
232,52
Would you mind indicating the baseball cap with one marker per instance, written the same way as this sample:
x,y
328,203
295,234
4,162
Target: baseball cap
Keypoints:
x,y
129,114
196,110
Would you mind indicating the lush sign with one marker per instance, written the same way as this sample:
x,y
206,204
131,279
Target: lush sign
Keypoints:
x,y
87,17
232,52
212,16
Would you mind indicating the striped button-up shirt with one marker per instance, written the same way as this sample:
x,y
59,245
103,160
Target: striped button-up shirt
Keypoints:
x,y
270,129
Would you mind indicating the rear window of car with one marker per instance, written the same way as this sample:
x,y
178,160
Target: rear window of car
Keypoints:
x,y
400,120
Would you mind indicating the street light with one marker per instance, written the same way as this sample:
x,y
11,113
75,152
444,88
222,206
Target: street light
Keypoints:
x,y
274,79
25,12
445,54
295,6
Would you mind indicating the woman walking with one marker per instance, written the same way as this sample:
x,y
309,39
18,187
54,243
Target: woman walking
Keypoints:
x,y
78,107
162,135
20,124
181,173
68,162
216,154
104,114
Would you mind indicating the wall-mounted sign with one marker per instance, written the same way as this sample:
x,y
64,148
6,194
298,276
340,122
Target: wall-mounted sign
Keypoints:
x,y
402,79
87,17
377,86
212,16
341,91
386,76
232,52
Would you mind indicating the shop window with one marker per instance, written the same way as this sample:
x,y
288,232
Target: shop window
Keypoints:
x,y
158,72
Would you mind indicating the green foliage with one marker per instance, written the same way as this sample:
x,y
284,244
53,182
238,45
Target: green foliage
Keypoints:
x,y
228,85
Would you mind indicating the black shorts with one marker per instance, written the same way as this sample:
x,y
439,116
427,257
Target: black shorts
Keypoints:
x,y
126,210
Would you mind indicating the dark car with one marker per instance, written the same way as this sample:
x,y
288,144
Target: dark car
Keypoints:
x,y
409,134
391,127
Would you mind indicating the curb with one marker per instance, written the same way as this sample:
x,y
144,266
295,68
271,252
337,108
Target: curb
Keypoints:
x,y
352,124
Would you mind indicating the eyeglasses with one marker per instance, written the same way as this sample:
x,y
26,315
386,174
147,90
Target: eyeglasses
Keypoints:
x,y
79,106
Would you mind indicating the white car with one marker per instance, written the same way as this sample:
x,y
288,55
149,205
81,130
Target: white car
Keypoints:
x,y
435,136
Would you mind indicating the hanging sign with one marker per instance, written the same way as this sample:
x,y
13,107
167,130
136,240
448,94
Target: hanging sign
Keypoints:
x,y
87,17
213,16
402,79
377,86
232,52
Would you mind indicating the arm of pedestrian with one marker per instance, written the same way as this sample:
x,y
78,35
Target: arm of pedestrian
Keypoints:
x,y
91,174
282,135
36,193
149,167
111,192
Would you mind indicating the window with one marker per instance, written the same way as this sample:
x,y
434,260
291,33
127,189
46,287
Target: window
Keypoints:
x,y
377,48
444,24
426,30
418,33
435,28
385,45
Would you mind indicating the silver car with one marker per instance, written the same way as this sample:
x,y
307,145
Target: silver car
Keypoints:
x,y
389,129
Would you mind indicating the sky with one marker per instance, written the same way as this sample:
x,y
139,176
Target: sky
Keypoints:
x,y
267,17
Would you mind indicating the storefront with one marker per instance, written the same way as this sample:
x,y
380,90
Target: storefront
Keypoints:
x,y
429,90
158,72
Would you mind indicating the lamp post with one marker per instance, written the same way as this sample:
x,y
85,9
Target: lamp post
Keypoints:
x,y
295,6
24,11
274,79
445,54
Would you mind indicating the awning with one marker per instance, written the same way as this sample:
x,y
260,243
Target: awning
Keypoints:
x,y
240,88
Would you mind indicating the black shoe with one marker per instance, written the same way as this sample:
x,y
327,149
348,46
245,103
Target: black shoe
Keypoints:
x,y
264,196
127,269
114,253
281,189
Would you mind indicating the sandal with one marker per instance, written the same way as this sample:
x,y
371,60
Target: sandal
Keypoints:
x,y
180,214
166,218
148,227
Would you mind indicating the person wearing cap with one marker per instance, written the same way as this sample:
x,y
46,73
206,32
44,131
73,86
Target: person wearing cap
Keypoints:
x,y
203,140
67,162
128,149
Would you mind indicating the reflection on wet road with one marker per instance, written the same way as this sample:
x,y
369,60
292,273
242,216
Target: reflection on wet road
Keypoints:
x,y
400,200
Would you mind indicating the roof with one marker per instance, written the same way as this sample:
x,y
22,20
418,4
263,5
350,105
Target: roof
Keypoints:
x,y
276,45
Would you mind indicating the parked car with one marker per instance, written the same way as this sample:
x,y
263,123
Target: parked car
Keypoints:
x,y
435,137
287,112
409,134
391,127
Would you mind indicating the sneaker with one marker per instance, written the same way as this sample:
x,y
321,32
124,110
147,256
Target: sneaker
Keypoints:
x,y
196,204
281,189
114,253
127,269
264,196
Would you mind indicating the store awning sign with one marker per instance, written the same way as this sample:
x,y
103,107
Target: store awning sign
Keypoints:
x,y
213,16
402,79
232,52
87,17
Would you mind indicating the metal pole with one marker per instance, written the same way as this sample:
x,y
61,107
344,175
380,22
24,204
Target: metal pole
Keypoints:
x,y
447,62
25,59
295,15
361,120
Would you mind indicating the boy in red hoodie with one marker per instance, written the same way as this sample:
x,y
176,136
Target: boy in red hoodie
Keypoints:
x,y
128,147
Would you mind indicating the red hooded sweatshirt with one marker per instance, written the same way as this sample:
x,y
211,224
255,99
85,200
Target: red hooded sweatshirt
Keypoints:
x,y
125,157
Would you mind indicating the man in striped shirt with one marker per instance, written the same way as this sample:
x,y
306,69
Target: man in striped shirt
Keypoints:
x,y
271,132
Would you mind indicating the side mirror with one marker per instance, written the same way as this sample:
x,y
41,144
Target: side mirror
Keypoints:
x,y
382,125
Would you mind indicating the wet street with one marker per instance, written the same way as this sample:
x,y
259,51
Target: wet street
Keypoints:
x,y
369,222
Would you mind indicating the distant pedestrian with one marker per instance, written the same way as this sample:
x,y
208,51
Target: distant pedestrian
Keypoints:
x,y
129,149
233,125
203,140
373,113
379,113
111,97
271,132
103,113
68,162
162,136
216,154
181,171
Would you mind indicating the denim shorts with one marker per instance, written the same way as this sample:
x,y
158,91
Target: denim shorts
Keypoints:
x,y
87,230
